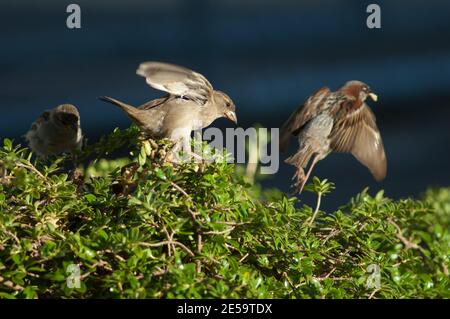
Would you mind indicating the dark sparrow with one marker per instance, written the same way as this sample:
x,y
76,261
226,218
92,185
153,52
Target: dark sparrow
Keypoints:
x,y
192,104
55,131
338,121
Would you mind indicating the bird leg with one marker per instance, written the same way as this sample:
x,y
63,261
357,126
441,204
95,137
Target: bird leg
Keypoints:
x,y
301,182
184,144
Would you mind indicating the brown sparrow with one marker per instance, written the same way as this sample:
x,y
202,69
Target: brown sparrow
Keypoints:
x,y
338,121
192,104
55,131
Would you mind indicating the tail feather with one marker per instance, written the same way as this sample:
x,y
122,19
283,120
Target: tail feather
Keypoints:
x,y
300,160
131,111
127,108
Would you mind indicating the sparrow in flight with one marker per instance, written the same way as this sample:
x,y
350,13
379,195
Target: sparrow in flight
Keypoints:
x,y
338,121
56,131
191,104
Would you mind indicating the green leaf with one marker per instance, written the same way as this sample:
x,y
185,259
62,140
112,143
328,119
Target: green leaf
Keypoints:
x,y
90,198
7,143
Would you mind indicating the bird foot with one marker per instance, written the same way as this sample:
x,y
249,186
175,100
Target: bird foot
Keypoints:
x,y
299,174
299,178
178,157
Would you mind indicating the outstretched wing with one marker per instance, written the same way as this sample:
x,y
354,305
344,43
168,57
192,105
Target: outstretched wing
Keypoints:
x,y
176,80
301,116
357,132
154,103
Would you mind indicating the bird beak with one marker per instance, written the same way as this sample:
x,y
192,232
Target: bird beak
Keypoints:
x,y
373,96
231,115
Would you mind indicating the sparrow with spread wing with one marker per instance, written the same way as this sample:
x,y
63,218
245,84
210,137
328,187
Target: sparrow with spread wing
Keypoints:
x,y
192,104
56,131
338,121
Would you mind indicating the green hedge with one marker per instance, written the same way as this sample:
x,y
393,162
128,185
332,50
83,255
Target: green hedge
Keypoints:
x,y
138,227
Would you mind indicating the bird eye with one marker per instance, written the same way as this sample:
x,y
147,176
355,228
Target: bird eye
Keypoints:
x,y
228,104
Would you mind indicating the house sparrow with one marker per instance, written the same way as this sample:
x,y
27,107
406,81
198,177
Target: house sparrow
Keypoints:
x,y
338,121
55,131
192,104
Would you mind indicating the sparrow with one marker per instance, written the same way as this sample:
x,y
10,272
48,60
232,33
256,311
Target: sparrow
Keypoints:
x,y
191,104
338,121
56,131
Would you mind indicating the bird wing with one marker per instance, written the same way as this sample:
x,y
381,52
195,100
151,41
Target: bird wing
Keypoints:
x,y
44,117
154,103
357,132
176,80
301,116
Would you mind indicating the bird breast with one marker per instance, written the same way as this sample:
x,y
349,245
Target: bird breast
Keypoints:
x,y
316,134
320,126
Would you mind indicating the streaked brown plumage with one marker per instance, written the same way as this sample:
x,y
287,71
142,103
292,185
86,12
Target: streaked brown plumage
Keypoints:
x,y
338,121
192,104
56,131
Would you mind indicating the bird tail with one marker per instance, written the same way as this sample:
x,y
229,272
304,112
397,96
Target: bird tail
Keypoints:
x,y
300,160
127,108
131,111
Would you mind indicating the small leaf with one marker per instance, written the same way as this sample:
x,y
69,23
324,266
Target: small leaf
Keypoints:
x,y
90,198
7,144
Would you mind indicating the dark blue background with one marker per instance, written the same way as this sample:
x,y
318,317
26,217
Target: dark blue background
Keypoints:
x,y
267,55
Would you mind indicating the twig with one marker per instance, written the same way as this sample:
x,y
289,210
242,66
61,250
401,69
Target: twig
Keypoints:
x,y
231,223
180,190
7,232
332,233
319,199
10,284
243,258
34,169
408,244
289,281
231,247
219,232
333,278
159,272
199,251
374,292
445,269
170,239
332,271
167,242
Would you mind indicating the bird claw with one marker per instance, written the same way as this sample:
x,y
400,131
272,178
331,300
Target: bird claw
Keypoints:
x,y
299,174
299,178
197,158
176,157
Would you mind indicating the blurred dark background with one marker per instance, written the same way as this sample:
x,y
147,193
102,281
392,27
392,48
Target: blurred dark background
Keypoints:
x,y
269,56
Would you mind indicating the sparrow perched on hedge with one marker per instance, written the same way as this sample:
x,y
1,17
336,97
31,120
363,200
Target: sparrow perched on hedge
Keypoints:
x,y
338,121
55,131
192,104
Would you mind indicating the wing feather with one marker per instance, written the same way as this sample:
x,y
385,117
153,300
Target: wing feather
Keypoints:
x,y
357,133
301,116
176,80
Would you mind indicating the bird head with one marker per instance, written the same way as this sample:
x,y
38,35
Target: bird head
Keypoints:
x,y
225,106
67,116
359,90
